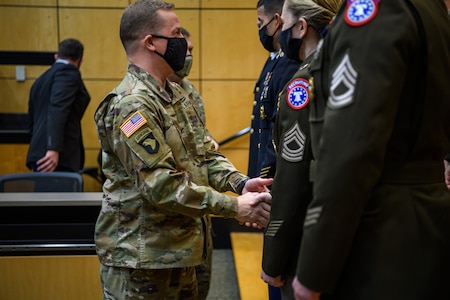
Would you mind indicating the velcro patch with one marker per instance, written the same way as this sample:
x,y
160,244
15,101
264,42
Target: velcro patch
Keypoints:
x,y
132,124
360,12
297,95
147,139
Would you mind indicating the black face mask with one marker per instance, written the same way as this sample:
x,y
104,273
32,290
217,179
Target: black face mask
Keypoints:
x,y
267,40
289,45
175,52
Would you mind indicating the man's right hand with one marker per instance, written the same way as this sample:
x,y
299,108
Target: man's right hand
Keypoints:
x,y
254,208
49,162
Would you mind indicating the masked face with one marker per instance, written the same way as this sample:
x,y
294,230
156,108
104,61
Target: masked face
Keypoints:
x,y
184,72
175,52
290,46
267,40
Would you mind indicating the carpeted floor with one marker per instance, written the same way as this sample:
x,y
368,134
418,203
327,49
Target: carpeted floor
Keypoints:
x,y
224,285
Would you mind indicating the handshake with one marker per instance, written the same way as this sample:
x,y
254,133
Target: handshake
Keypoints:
x,y
254,203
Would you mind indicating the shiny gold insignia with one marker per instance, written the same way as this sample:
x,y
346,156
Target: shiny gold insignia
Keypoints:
x,y
262,112
312,92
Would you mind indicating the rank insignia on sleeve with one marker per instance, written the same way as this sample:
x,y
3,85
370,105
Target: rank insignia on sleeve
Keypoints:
x,y
132,124
297,95
360,12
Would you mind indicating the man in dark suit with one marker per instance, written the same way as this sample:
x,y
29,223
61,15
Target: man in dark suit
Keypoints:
x,y
58,100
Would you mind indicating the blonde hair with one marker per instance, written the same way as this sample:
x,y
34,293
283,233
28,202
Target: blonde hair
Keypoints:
x,y
318,13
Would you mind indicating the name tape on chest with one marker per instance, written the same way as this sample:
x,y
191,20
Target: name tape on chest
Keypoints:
x,y
360,12
132,124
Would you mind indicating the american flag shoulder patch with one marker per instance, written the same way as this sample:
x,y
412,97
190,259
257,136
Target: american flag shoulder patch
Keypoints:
x,y
132,124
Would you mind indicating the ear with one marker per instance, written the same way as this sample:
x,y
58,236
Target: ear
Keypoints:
x,y
148,42
278,21
303,27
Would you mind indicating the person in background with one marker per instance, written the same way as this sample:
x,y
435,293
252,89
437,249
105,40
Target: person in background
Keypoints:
x,y
303,23
58,100
162,175
203,271
180,78
277,70
378,226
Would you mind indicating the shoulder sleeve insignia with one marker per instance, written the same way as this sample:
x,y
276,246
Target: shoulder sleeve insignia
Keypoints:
x,y
147,140
360,12
297,95
132,124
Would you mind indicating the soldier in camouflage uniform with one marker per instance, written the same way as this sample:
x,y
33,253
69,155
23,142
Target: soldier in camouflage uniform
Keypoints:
x,y
378,226
162,172
202,271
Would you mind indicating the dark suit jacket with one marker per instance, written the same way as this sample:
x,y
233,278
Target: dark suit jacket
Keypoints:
x,y
58,100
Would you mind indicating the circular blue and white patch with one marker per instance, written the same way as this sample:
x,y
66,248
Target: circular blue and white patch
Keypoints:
x,y
359,12
297,95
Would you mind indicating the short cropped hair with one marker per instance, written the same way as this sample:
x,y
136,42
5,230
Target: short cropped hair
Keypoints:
x,y
185,33
271,7
70,49
139,19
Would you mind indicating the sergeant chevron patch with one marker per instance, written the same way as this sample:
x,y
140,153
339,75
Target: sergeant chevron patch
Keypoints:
x,y
293,144
273,227
312,216
343,83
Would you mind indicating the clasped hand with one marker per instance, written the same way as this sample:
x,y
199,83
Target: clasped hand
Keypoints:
x,y
254,204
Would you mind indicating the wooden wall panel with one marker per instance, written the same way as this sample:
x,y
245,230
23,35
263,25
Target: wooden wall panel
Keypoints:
x,y
186,3
228,106
98,30
231,46
14,157
229,4
14,96
31,72
29,2
94,3
50,278
28,29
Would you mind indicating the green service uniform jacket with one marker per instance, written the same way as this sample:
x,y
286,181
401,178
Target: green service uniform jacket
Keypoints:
x,y
291,189
378,226
160,169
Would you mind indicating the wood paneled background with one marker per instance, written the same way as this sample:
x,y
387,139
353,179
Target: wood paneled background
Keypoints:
x,y
227,60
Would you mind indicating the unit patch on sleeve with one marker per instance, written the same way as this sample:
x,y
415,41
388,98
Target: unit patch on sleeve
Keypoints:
x,y
147,139
132,124
360,12
343,81
297,95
